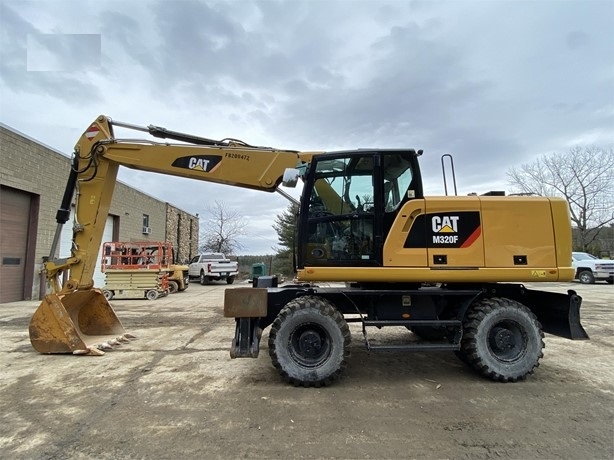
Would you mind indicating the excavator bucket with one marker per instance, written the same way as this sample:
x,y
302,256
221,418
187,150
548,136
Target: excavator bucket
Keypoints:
x,y
81,322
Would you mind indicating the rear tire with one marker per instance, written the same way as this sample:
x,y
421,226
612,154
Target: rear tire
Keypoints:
x,y
107,294
586,277
203,278
502,339
152,294
309,341
173,287
230,280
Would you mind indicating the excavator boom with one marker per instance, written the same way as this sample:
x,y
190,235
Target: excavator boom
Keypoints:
x,y
76,317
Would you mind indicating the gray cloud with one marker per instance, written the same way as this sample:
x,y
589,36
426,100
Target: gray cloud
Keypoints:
x,y
15,75
63,52
494,83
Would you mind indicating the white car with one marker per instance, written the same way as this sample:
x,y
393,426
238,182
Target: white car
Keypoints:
x,y
590,268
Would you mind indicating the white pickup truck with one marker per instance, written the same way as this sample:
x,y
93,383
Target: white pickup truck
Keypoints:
x,y
213,266
590,268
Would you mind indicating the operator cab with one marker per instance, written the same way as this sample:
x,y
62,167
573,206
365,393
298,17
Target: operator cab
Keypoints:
x,y
349,202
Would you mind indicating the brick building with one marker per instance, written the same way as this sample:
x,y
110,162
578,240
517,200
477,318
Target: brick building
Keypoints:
x,y
32,181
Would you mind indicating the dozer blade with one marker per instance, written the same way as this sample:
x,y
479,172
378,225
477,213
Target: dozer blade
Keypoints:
x,y
81,322
558,313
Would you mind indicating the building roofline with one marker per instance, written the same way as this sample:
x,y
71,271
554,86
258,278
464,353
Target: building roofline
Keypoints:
x,y
57,152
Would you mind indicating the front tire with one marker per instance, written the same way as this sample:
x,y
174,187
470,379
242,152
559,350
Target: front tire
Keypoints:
x,y
309,341
586,277
502,339
152,294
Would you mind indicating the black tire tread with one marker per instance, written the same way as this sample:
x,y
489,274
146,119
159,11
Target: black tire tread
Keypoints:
x,y
469,352
325,308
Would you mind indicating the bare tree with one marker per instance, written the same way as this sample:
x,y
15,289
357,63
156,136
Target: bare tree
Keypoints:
x,y
583,176
222,229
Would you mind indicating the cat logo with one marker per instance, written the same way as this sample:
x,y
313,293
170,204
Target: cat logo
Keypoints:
x,y
202,163
443,226
198,163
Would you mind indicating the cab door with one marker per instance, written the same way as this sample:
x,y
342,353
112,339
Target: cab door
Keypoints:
x,y
340,203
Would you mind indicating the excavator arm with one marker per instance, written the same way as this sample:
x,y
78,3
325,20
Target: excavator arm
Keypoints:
x,y
74,317
98,155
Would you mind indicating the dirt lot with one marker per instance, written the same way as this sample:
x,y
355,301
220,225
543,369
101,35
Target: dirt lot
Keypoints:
x,y
175,393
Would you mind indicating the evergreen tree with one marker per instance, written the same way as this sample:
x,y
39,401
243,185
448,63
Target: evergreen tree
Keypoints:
x,y
285,226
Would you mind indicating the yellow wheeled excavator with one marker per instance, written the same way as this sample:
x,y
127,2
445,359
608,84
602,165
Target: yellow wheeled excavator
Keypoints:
x,y
448,268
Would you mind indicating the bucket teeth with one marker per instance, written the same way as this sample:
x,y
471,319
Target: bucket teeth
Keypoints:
x,y
81,352
95,352
129,336
122,339
104,346
76,322
89,351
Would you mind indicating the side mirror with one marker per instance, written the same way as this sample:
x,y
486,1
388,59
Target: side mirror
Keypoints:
x,y
290,177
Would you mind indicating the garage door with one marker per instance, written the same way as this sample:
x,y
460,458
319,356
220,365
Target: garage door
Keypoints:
x,y
66,242
14,220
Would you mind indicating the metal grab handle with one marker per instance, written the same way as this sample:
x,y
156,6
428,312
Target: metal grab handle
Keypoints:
x,y
443,170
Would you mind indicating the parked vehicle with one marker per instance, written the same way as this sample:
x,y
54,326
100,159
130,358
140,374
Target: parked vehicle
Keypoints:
x,y
213,266
156,256
590,268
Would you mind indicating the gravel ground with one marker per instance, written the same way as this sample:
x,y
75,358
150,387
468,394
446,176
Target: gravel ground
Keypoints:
x,y
175,393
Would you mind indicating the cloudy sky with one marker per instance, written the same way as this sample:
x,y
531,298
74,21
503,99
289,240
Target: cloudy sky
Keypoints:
x,y
495,83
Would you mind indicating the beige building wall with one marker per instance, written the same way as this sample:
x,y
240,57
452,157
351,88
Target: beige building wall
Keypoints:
x,y
29,166
129,205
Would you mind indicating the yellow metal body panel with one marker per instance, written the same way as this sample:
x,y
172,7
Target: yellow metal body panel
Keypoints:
x,y
562,235
432,275
523,226
395,254
517,239
470,256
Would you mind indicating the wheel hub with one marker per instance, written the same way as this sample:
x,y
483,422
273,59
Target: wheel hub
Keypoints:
x,y
504,339
310,344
